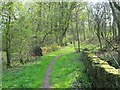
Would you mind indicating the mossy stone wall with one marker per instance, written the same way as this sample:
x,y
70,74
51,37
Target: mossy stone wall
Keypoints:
x,y
101,74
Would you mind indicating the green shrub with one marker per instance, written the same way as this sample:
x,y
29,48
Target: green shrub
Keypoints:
x,y
54,48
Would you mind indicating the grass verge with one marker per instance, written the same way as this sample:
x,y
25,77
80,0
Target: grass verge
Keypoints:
x,y
68,71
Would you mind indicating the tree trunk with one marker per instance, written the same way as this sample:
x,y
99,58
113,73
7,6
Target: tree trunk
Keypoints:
x,y
116,18
8,57
65,43
8,42
21,61
73,34
77,31
118,56
61,40
98,35
84,34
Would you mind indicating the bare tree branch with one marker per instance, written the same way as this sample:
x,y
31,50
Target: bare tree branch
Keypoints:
x,y
116,6
46,36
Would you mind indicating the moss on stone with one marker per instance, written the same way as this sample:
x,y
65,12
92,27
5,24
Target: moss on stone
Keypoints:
x,y
100,71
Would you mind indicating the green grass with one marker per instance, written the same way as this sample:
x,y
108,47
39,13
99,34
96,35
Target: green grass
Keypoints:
x,y
68,72
28,76
31,75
